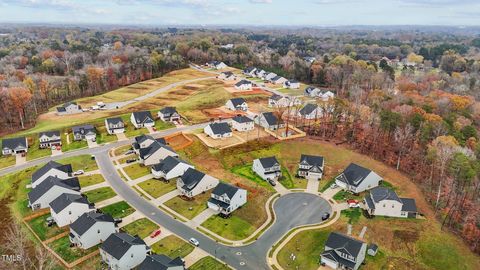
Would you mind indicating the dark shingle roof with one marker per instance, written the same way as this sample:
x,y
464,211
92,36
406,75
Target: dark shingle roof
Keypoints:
x,y
12,143
154,147
308,109
271,118
237,101
345,243
249,69
409,205
159,262
333,256
227,73
269,162
223,188
379,194
242,82
312,160
354,174
167,164
83,129
191,178
87,220
276,97
220,128
143,137
114,120
117,244
51,165
143,117
48,183
64,200
49,133
168,110
242,119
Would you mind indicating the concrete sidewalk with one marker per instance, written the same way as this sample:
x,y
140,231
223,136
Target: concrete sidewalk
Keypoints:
x,y
312,186
140,179
92,187
166,197
194,256
131,218
330,192
200,218
281,189
108,202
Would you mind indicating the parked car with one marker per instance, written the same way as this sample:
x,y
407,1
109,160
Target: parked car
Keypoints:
x,y
353,203
325,216
130,160
155,233
79,172
272,182
194,242
50,221
117,220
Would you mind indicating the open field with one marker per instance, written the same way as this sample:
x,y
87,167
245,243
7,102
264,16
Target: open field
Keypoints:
x,y
89,180
157,188
173,247
232,228
118,210
142,227
190,208
136,170
208,263
100,194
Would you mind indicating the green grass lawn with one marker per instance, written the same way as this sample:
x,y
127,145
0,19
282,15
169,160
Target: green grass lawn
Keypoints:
x,y
157,188
7,161
124,159
343,195
122,149
39,226
232,228
73,144
247,172
13,187
69,254
34,150
189,209
208,263
118,210
89,180
142,227
286,179
136,170
352,214
130,130
325,184
103,136
83,162
100,194
173,247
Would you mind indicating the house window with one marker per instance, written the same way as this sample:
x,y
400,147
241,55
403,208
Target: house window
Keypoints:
x,y
384,205
69,212
98,231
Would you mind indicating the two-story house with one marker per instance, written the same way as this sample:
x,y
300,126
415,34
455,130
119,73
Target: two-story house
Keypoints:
x,y
269,76
243,85
216,65
162,262
122,251
382,201
144,141
115,125
194,182
142,119
66,208
84,132
311,167
270,121
242,123
43,194
278,80
169,168
218,130
91,229
343,252
226,198
310,111
357,179
291,84
267,168
69,108
155,153
53,169
227,76
13,146
249,71
237,104
169,114
47,139
278,101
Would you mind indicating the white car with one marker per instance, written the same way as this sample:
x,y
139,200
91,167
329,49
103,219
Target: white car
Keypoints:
x,y
194,242
79,172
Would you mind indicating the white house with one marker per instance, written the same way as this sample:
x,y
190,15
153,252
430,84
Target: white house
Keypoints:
x,y
144,141
260,73
227,76
218,130
217,65
114,125
226,198
267,168
326,95
237,104
142,119
250,71
53,169
91,229
243,85
277,101
268,76
170,167
310,111
242,123
163,262
43,194
66,208
84,132
12,146
278,80
69,108
169,114
356,179
48,139
343,252
311,167
194,182
122,251
382,201
155,153
291,84
269,121
312,91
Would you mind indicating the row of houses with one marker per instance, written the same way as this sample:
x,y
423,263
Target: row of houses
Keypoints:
x,y
271,77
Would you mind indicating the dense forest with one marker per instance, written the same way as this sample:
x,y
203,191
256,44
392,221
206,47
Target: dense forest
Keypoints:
x,y
408,97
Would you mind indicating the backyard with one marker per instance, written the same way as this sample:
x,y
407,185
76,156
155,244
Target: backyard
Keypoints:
x,y
39,226
69,254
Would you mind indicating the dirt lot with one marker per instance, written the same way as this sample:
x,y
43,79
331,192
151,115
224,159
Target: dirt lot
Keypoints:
x,y
178,141
236,139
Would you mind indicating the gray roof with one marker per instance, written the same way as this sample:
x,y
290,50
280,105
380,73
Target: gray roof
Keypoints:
x,y
67,168
117,244
159,262
276,97
344,243
242,82
223,188
354,174
87,220
143,117
249,69
227,73
237,101
64,200
191,178
48,183
154,147
312,160
83,129
168,110
276,78
379,194
333,256
114,120
409,205
49,133
168,164
12,143
242,119
308,109
268,162
143,137
271,118
220,128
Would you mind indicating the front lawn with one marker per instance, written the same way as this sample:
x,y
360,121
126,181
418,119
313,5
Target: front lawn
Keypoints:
x,y
142,227
343,195
232,228
352,214
7,161
89,180
208,263
286,179
73,144
121,150
69,254
173,247
157,188
118,210
189,209
247,172
103,136
83,162
100,194
39,226
34,150
136,170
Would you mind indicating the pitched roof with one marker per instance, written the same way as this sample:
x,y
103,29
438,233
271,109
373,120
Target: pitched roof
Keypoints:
x,y
249,69
379,194
271,118
159,262
12,143
312,160
223,188
242,82
220,128
87,220
49,133
154,147
168,164
143,116
308,109
64,200
268,162
276,97
333,256
346,243
237,101
48,183
82,129
117,244
242,119
354,174
276,78
168,110
191,178
293,81
227,73
67,168
114,120
409,205
143,137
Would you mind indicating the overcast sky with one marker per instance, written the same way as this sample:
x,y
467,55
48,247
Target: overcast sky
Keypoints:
x,y
244,12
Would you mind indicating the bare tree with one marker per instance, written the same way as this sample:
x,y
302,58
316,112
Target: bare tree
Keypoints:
x,y
16,242
402,136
